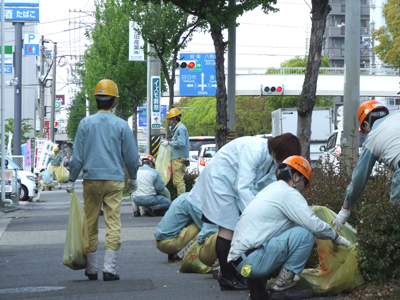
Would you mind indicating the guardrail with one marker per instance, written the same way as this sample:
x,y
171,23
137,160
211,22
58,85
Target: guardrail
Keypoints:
x,y
322,71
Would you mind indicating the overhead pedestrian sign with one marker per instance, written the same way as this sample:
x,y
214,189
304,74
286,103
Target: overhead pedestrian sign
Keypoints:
x,y
201,80
8,57
31,44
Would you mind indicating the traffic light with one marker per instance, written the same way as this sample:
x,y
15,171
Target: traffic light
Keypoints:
x,y
273,89
186,64
55,126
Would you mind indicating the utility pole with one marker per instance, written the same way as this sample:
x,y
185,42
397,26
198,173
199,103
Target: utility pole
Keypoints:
x,y
18,88
42,83
53,96
351,81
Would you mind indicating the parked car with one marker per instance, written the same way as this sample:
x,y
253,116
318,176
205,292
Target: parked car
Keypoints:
x,y
206,153
333,150
13,183
195,142
29,182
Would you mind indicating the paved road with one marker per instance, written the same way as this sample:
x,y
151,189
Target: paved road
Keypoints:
x,y
31,249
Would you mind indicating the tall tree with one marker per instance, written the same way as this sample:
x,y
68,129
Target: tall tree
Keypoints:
x,y
306,102
76,113
220,16
389,36
174,31
107,58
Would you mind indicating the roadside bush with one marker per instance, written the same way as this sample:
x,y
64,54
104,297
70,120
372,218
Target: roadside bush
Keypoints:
x,y
189,181
376,219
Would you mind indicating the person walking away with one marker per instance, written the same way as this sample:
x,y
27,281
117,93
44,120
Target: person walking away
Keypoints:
x,y
55,161
151,191
237,172
103,146
180,149
66,160
276,233
382,145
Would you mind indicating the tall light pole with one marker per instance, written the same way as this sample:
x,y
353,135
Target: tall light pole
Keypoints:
x,y
53,96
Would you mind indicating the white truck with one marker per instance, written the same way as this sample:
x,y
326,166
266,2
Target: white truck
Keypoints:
x,y
322,124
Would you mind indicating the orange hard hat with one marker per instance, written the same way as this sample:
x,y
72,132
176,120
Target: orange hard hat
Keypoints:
x,y
300,164
149,158
366,108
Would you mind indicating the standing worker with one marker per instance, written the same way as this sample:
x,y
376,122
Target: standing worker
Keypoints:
x,y
66,160
180,149
237,172
55,161
103,143
383,145
151,191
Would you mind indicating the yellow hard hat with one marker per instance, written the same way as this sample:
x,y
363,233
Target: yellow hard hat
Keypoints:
x,y
106,89
173,113
56,148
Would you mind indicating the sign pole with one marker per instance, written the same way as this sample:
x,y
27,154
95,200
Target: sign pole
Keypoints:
x,y
3,95
18,88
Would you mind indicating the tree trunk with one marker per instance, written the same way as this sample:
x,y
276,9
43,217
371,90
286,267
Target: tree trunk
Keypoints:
x,y
306,102
221,131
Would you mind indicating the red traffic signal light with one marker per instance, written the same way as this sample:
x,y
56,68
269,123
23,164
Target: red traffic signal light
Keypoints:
x,y
186,64
55,124
273,90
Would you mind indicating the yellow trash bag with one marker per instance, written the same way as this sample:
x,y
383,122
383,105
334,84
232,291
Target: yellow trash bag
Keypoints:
x,y
338,267
77,240
191,263
62,174
163,163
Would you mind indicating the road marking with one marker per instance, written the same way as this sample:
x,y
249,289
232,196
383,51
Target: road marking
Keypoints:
x,y
31,289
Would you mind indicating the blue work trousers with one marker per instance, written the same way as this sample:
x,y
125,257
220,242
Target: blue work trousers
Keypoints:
x,y
164,202
291,250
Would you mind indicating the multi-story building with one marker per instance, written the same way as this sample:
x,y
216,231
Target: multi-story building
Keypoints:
x,y
333,46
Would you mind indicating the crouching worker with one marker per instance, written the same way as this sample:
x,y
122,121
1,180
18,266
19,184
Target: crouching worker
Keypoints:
x,y
151,191
276,233
46,179
177,229
207,252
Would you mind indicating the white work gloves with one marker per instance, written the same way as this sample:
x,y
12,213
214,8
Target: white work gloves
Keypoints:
x,y
165,143
341,219
70,186
342,241
132,185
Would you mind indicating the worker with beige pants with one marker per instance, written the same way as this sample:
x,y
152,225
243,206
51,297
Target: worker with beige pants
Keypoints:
x,y
179,149
104,145
55,161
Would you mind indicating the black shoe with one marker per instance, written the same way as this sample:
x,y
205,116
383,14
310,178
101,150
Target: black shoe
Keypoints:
x,y
42,189
91,276
136,213
59,187
149,211
290,294
257,289
173,258
110,277
234,284
101,212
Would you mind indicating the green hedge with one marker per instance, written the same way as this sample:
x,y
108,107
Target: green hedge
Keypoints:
x,y
376,219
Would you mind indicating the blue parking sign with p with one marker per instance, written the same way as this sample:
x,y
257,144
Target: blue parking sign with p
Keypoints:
x,y
31,43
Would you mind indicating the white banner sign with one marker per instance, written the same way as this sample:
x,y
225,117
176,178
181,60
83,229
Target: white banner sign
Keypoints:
x,y
44,149
136,44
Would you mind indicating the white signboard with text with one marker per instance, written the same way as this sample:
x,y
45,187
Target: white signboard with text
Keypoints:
x,y
136,44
